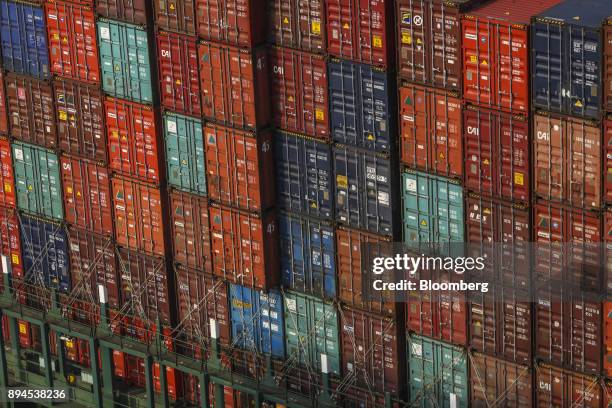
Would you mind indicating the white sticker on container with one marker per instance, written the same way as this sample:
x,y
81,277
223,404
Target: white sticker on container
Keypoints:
x,y
411,185
274,327
171,126
52,16
291,304
273,315
265,312
105,33
265,325
19,154
383,197
417,349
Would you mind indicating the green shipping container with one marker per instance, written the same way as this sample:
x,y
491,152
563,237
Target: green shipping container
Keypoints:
x,y
311,329
432,209
438,373
185,154
37,181
124,56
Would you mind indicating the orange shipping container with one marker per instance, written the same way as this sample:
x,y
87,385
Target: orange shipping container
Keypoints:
x,y
236,22
239,167
190,230
245,247
73,48
138,216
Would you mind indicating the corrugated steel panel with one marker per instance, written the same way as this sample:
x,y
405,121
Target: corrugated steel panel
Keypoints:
x,y
307,260
236,22
556,387
124,58
176,15
361,100
8,196
432,208
299,24
607,339
80,119
37,180
133,11
10,240
24,39
235,85
240,167
503,382
185,155
304,179
607,157
257,320
607,66
364,190
31,110
73,48
4,121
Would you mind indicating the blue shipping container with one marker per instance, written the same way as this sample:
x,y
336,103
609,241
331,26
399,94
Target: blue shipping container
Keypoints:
x,y
45,253
257,320
23,34
303,175
364,190
308,255
567,52
361,106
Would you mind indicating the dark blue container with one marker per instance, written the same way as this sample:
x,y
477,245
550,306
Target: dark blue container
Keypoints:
x,y
257,320
361,104
567,53
308,255
45,253
23,34
365,190
303,175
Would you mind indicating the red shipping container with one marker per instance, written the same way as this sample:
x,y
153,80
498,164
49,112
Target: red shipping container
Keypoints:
x,y
7,179
496,147
73,48
132,139
568,160
176,15
145,289
239,167
80,114
4,124
178,73
361,30
349,269
171,381
300,92
607,70
31,110
299,24
495,381
190,230
245,247
607,129
235,22
138,216
25,334
607,340
431,130
373,351
235,85
496,54
202,297
556,387
10,240
93,262
132,11
87,196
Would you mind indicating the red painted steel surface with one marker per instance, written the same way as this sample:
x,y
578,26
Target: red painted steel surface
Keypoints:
x,y
556,387
235,22
190,230
10,240
7,179
299,24
131,11
176,15
493,379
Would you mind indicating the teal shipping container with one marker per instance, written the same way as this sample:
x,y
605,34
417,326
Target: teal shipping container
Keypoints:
x,y
124,57
37,180
185,153
438,374
311,329
432,208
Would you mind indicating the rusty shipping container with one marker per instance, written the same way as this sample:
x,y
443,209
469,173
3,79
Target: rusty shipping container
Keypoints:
x,y
240,167
87,195
496,54
607,154
500,382
496,150
245,247
138,216
73,47
31,110
190,231
431,130
556,387
93,262
235,85
4,121
362,31
373,351
234,22
298,24
176,15
8,196
80,119
567,160
178,72
131,11
299,92
132,139
429,41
